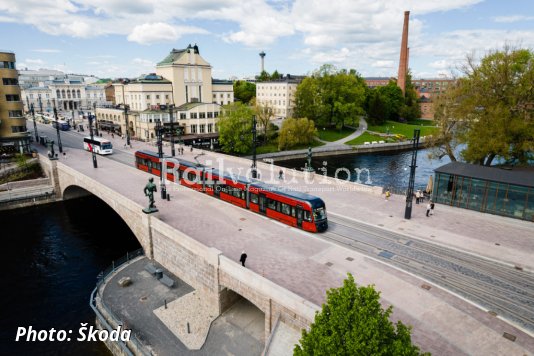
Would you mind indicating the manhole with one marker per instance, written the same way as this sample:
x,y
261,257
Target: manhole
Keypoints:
x,y
518,268
497,244
329,264
349,259
426,286
143,299
509,336
492,313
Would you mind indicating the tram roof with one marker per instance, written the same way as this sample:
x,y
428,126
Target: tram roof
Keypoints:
x,y
315,201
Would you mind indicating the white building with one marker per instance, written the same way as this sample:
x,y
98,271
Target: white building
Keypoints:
x,y
278,95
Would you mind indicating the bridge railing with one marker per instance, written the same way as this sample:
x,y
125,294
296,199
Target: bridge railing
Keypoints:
x,y
110,318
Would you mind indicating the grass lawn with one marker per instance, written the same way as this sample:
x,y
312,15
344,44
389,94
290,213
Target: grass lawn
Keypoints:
x,y
365,137
395,127
273,147
332,134
422,122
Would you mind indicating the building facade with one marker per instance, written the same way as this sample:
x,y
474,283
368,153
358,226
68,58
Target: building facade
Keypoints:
x,y
14,135
278,95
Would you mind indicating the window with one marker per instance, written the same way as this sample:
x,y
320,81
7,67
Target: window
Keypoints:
x,y
228,95
148,97
167,97
10,81
254,198
271,204
157,96
182,116
307,215
15,129
12,97
210,115
202,115
202,128
193,115
7,65
193,128
286,209
15,113
210,128
215,114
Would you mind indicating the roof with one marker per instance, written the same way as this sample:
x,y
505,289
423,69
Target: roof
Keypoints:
x,y
221,81
173,56
151,78
523,176
188,106
315,202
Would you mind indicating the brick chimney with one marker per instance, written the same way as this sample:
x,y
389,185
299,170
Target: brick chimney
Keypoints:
x,y
403,62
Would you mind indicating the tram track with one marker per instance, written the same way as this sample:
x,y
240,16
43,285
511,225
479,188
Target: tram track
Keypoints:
x,y
499,288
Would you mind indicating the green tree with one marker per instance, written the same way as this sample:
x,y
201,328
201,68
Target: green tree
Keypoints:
x,y
276,75
263,77
308,100
385,103
296,132
235,128
493,102
410,110
352,322
264,113
244,91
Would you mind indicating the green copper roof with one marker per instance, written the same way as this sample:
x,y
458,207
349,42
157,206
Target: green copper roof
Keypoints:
x,y
173,56
188,106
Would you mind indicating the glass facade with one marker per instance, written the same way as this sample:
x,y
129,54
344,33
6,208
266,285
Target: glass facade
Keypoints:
x,y
504,199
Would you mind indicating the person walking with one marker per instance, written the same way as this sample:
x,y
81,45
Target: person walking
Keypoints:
x,y
428,207
281,175
417,196
243,258
431,207
388,194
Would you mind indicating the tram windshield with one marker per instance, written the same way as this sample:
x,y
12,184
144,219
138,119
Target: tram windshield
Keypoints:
x,y
319,214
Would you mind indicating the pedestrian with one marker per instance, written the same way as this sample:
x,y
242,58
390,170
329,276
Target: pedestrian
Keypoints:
x,y
281,175
388,194
431,207
243,258
112,135
428,207
125,145
191,148
417,196
65,155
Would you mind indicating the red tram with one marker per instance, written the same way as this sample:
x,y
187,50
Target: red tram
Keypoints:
x,y
293,208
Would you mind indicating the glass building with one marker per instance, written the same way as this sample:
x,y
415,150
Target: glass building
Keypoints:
x,y
500,191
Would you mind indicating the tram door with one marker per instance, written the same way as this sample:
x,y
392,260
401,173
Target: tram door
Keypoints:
x,y
149,166
263,203
216,189
299,215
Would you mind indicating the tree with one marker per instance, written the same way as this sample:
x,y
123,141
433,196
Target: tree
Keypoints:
x,y
264,113
244,91
385,103
410,110
307,99
494,102
352,322
235,128
296,132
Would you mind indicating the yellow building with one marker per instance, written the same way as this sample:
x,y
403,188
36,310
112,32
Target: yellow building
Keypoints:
x,y
14,136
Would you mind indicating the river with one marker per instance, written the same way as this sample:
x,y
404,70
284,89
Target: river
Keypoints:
x,y
390,170
52,255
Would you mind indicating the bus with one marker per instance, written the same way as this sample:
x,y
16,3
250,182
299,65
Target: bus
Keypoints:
x,y
63,125
99,144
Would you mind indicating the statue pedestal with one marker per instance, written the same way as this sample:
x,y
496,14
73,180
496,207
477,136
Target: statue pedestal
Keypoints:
x,y
150,210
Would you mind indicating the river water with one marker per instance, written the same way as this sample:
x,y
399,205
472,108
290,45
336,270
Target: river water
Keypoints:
x,y
389,170
52,255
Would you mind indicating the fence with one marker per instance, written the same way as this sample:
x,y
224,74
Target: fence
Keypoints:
x,y
101,279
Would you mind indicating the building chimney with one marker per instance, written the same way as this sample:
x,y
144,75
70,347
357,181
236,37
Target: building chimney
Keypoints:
x,y
403,62
262,55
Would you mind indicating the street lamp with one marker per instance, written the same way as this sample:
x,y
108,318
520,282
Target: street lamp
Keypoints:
x,y
126,119
172,129
96,120
57,129
93,154
159,135
34,124
409,193
254,172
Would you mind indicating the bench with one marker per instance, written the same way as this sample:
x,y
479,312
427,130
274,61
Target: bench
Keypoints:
x,y
367,143
381,142
150,268
166,281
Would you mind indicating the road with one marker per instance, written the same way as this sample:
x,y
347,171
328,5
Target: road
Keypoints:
x,y
501,289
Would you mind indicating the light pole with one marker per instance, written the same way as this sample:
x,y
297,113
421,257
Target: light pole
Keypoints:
x,y
34,124
40,105
254,171
409,193
172,129
96,120
126,119
57,130
159,135
93,154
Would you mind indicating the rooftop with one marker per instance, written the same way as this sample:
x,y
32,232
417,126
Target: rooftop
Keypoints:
x,y
523,176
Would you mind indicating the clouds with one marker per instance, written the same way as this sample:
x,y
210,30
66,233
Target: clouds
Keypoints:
x,y
160,32
513,18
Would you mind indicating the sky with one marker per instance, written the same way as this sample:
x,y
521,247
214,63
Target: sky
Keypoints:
x,y
126,38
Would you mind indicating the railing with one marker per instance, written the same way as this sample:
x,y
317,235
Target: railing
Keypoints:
x,y
101,279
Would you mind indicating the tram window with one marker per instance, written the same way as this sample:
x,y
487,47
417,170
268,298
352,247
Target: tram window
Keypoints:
x,y
271,204
149,164
224,188
254,198
293,212
307,215
286,209
191,176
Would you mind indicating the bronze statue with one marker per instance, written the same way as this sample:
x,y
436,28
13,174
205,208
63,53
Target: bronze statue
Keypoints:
x,y
149,190
309,157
